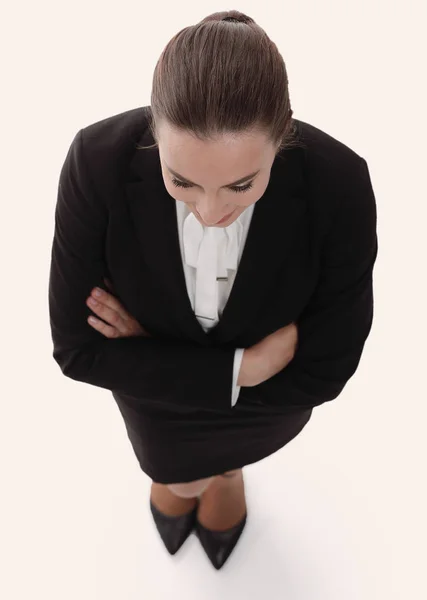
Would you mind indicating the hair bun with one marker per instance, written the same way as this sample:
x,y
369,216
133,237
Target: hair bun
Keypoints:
x,y
238,18
232,16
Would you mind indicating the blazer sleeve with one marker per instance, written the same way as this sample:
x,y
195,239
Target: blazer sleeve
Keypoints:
x,y
171,372
334,326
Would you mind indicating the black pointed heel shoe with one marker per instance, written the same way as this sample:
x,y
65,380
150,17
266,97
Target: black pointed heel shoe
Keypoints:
x,y
173,530
218,545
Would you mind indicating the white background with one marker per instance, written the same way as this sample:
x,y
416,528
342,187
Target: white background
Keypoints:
x,y
339,513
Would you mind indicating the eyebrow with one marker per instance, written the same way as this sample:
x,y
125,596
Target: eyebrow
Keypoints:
x,y
241,180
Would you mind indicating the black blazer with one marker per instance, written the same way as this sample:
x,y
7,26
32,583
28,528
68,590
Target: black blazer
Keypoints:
x,y
308,259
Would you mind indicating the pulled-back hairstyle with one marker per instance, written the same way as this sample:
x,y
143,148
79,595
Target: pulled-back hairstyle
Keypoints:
x,y
223,76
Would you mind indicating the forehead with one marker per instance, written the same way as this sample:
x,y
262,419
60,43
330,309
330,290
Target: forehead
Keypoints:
x,y
226,157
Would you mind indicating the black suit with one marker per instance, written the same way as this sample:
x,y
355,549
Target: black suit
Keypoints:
x,y
308,258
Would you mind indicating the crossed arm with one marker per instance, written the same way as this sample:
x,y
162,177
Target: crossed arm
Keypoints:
x,y
332,330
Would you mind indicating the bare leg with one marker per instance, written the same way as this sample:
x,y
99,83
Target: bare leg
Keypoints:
x,y
223,504
192,489
177,499
168,503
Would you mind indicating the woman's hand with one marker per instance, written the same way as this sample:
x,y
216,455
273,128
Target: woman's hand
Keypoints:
x,y
269,356
116,321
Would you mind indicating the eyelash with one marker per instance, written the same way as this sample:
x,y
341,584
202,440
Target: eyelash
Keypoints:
x,y
236,189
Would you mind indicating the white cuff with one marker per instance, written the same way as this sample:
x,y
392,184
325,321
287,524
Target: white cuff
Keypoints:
x,y
238,357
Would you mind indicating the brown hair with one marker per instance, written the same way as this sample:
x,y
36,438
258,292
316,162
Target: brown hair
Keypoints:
x,y
223,75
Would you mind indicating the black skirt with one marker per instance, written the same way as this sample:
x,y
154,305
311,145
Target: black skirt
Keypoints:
x,y
181,444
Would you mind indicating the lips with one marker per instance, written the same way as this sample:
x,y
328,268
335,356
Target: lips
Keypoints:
x,y
225,218
218,222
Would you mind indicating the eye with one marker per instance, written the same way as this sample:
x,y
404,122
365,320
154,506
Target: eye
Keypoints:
x,y
179,183
242,188
237,189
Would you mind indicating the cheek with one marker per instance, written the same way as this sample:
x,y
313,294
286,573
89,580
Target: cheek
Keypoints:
x,y
176,193
250,197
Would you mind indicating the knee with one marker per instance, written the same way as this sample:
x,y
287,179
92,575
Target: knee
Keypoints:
x,y
228,474
191,489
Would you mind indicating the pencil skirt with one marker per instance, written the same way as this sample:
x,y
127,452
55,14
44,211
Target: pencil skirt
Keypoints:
x,y
177,444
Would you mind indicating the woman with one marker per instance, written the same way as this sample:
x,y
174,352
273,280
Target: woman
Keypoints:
x,y
234,248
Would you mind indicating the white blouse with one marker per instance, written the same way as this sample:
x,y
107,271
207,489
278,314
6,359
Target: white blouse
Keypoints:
x,y
211,256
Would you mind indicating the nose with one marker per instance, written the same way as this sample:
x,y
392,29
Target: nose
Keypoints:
x,y
211,214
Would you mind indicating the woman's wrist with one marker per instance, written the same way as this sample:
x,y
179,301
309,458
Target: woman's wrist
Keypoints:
x,y
250,372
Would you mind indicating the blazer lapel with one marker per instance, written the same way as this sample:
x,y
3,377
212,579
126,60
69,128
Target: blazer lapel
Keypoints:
x,y
276,221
